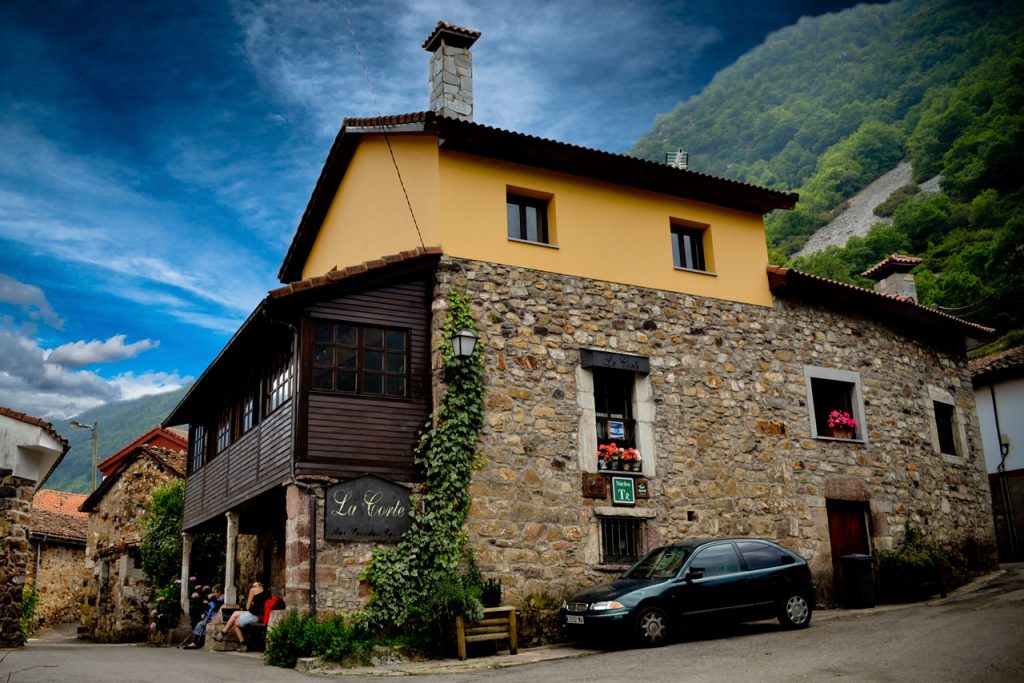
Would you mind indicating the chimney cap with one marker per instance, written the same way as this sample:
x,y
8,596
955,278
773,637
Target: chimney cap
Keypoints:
x,y
456,36
895,263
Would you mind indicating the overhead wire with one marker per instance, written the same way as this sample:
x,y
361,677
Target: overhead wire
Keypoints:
x,y
380,117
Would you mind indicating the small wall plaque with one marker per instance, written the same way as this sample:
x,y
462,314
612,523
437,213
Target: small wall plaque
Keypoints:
x,y
642,488
594,485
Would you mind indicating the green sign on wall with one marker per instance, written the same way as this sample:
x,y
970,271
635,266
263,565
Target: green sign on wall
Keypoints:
x,y
622,491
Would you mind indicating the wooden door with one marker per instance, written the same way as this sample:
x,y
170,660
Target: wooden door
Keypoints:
x,y
848,533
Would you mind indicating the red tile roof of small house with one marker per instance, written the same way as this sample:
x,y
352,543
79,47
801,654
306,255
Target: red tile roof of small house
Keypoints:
x,y
172,461
55,514
996,367
502,145
172,439
893,263
893,308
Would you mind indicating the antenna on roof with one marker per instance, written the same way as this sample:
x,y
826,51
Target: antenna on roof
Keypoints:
x,y
678,159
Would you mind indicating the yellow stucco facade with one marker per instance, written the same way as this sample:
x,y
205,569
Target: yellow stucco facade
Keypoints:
x,y
597,230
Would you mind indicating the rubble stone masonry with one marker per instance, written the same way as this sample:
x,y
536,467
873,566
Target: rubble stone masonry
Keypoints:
x,y
15,553
732,450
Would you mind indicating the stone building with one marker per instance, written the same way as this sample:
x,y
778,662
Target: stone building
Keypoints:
x,y
618,302
30,449
58,548
115,607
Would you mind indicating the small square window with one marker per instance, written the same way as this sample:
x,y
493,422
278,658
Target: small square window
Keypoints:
x,y
527,218
945,426
688,248
622,540
836,404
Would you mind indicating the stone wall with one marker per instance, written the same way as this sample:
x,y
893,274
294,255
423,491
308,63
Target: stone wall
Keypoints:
x,y
732,450
116,598
15,519
60,582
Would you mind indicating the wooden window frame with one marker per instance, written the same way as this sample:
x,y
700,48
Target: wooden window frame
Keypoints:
x,y
279,385
196,448
606,381
695,259
524,202
359,371
224,432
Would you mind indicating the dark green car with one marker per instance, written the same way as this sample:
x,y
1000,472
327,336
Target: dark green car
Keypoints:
x,y
696,581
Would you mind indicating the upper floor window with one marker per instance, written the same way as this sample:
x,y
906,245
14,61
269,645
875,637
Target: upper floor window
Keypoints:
x,y
527,218
196,448
247,412
836,403
947,433
688,248
224,431
279,389
358,359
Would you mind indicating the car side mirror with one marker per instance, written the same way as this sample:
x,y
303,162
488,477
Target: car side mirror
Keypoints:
x,y
694,573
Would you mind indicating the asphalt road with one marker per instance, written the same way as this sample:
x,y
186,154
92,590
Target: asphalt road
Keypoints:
x,y
977,636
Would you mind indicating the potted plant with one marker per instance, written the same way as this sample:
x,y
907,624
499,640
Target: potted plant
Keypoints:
x,y
841,424
631,459
606,454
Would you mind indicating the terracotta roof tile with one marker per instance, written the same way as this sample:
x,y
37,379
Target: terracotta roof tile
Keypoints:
x,y
38,422
56,514
892,262
62,502
463,37
1009,364
780,278
349,271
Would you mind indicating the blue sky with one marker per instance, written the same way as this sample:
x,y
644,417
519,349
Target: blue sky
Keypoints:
x,y
155,156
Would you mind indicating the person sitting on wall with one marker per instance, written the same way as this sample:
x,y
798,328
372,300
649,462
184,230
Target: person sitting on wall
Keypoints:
x,y
214,601
258,596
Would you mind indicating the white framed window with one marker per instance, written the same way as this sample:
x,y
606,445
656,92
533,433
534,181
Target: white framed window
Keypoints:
x,y
835,404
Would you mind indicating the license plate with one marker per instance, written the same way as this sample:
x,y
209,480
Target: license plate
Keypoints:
x,y
573,619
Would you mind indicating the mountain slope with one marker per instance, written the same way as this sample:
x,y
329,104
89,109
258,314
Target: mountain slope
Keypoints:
x,y
119,424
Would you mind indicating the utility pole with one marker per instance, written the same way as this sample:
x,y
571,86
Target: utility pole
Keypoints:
x,y
95,429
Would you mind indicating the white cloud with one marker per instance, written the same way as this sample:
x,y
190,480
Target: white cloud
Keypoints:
x,y
79,353
133,386
30,299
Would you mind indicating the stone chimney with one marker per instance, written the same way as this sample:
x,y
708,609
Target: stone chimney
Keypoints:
x,y
893,276
451,70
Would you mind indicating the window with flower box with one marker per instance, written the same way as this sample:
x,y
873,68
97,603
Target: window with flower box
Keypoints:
x,y
835,403
360,359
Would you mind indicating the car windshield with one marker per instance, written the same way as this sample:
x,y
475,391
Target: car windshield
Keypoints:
x,y
661,563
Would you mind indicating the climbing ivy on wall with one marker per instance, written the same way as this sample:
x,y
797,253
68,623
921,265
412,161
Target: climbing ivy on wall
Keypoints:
x,y
405,576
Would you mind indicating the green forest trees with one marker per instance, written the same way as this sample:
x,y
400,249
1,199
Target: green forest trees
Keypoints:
x,y
828,105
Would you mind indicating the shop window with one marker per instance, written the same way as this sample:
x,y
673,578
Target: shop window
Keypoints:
x,y
355,359
613,407
196,448
836,404
279,388
527,218
622,539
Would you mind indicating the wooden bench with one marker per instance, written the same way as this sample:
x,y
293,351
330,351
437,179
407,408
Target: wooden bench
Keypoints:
x,y
498,623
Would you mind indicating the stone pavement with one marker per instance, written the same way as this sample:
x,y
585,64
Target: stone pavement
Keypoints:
x,y
555,652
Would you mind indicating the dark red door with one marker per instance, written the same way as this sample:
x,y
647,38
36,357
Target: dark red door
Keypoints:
x,y
848,533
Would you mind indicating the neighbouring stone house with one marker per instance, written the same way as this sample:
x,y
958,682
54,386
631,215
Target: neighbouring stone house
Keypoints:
x,y
168,438
999,396
30,449
115,606
58,548
618,302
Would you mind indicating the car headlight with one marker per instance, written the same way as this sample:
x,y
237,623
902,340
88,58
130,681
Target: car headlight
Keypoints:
x,y
609,604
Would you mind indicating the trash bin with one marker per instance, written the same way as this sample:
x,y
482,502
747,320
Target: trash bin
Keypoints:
x,y
858,581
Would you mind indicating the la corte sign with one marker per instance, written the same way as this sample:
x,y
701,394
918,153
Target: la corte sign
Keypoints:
x,y
367,508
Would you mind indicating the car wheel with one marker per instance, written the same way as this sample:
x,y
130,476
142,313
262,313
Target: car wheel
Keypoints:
x,y
795,611
652,627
